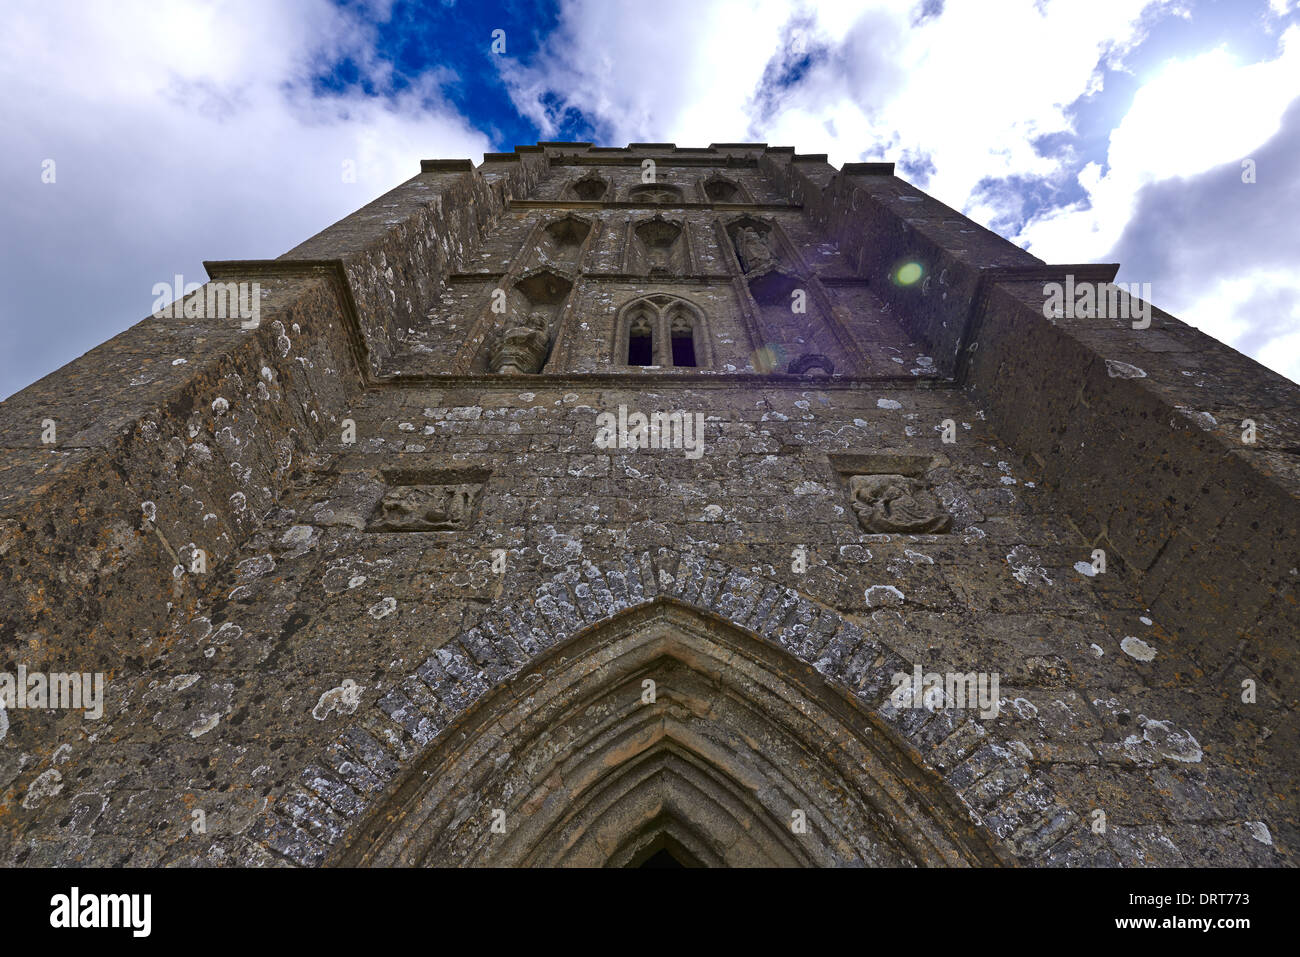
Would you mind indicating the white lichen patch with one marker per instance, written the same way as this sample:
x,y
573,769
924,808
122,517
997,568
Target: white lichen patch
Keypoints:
x,y
1137,649
888,404
878,595
47,784
811,488
1024,566
1259,831
344,699
255,567
298,536
556,548
382,608
1161,739
1025,708
1123,370
205,724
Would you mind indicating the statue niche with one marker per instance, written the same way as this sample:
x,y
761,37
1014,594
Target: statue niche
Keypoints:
x,y
719,190
521,341
590,188
754,250
888,504
521,347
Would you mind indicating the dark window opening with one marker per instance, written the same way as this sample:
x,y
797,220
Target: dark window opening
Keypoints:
x,y
640,349
683,350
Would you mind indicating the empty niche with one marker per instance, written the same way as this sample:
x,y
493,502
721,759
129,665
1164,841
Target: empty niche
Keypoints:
x,y
561,240
428,500
589,188
658,248
719,189
891,494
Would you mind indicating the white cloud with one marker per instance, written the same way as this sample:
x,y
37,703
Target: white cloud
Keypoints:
x,y
1196,114
180,132
1172,208
678,69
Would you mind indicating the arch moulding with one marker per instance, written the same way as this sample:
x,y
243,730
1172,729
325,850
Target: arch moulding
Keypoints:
x,y
665,701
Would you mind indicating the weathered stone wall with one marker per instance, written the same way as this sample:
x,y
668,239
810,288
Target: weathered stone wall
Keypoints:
x,y
298,694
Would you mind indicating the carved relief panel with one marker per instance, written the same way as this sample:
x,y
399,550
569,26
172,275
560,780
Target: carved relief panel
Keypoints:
x,y
427,502
890,494
886,504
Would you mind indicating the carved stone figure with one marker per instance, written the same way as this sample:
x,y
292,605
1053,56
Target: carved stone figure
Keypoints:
x,y
755,253
424,508
895,503
521,348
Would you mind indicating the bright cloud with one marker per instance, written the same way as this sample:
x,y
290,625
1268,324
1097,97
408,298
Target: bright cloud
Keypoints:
x,y
181,132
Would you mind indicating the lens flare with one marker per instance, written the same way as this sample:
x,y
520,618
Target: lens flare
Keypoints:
x,y
768,358
908,273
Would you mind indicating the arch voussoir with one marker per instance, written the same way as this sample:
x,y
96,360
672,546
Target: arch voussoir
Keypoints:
x,y
972,784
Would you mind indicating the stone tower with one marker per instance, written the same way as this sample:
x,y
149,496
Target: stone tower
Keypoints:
x,y
604,505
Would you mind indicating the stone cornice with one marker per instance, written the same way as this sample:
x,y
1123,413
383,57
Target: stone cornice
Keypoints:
x,y
333,270
621,204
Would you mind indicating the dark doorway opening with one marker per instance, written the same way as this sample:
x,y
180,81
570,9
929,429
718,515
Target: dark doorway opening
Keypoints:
x,y
662,858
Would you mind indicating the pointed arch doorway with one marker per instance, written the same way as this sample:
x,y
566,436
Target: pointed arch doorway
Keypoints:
x,y
665,735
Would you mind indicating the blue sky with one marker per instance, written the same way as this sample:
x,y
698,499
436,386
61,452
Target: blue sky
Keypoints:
x,y
1083,130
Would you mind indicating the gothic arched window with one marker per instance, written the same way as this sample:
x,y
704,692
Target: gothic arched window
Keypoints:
x,y
641,339
662,331
681,334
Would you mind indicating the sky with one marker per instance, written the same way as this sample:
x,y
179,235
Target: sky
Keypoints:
x,y
142,138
